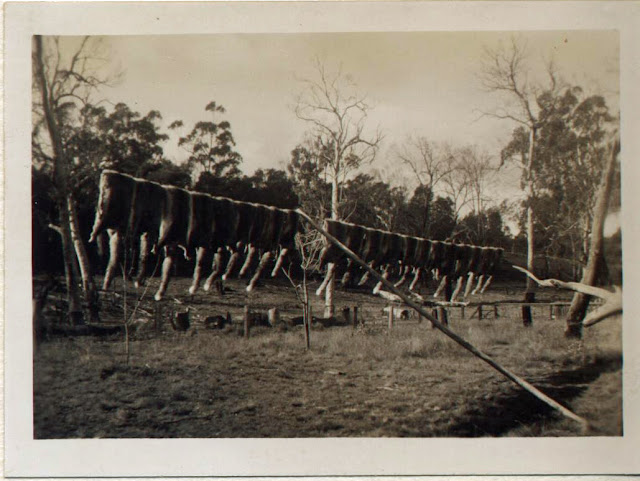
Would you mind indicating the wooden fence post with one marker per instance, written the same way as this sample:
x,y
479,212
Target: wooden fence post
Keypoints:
x,y
390,317
434,313
442,316
527,317
355,317
273,316
479,312
246,322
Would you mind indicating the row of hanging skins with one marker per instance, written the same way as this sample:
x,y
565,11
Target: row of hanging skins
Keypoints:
x,y
408,255
171,218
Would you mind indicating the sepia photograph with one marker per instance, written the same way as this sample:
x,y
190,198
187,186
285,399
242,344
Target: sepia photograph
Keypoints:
x,y
379,235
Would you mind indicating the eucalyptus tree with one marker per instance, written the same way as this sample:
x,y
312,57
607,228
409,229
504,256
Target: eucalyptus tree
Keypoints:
x,y
337,115
67,73
211,148
507,73
307,169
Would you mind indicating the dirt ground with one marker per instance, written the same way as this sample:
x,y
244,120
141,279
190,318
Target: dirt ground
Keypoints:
x,y
366,382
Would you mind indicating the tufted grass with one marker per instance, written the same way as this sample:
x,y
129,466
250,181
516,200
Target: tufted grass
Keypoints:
x,y
410,381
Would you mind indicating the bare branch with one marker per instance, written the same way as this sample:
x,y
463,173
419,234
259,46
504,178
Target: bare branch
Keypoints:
x,y
613,300
610,309
55,228
505,116
337,115
76,56
505,72
426,159
345,115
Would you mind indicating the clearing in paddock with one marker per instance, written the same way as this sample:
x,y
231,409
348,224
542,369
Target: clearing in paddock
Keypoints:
x,y
362,380
213,338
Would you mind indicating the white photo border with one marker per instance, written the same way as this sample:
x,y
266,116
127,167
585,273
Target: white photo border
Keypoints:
x,y
26,457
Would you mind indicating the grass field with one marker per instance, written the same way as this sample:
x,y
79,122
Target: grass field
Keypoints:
x,y
410,381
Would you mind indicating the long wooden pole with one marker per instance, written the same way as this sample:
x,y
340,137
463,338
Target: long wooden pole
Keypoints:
x,y
464,343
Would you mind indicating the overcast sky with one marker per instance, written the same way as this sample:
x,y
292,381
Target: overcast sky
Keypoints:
x,y
422,83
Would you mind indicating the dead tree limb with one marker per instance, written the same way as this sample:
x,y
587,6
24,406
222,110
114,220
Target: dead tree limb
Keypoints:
x,y
612,299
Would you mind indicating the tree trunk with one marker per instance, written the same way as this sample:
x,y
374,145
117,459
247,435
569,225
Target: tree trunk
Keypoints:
x,y
574,261
39,303
81,253
61,179
580,302
329,305
88,286
479,220
530,291
426,222
547,267
306,311
586,238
